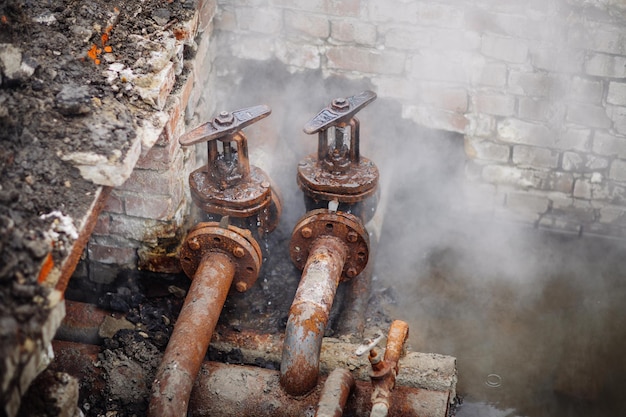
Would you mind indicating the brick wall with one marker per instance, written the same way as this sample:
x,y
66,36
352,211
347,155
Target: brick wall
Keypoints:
x,y
536,88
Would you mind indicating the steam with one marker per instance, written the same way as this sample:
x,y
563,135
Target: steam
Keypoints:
x,y
535,308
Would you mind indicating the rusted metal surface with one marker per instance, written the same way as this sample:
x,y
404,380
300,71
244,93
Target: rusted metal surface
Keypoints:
x,y
191,336
88,224
384,370
322,222
337,171
335,393
81,323
228,185
209,237
233,390
230,390
309,314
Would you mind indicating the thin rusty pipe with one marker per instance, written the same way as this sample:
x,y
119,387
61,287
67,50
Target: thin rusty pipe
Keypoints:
x,y
385,371
309,315
191,336
335,393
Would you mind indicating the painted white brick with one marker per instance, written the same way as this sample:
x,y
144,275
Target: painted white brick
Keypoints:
x,y
603,65
534,157
617,93
618,170
525,133
609,145
505,49
479,148
618,115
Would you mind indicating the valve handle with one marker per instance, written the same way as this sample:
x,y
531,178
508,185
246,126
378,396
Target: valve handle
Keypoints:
x,y
225,124
340,111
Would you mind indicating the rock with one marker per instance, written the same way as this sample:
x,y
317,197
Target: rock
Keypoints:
x,y
73,100
161,16
15,68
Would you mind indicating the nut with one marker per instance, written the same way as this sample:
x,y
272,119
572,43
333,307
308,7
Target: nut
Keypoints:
x,y
352,237
340,104
351,272
241,286
193,244
306,232
239,252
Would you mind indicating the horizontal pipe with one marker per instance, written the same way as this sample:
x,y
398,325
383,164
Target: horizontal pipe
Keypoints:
x,y
420,370
335,393
233,390
309,315
191,336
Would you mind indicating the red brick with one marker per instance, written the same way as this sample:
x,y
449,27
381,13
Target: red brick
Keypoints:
x,y
495,104
111,254
314,25
114,204
102,224
443,97
353,31
149,206
436,118
206,13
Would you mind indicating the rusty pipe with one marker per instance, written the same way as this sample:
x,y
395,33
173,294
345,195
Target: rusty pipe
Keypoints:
x,y
384,371
191,336
309,314
335,393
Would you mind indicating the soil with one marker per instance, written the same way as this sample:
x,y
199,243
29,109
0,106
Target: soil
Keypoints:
x,y
56,98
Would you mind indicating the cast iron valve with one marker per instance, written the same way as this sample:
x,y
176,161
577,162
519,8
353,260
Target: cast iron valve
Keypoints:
x,y
338,171
228,185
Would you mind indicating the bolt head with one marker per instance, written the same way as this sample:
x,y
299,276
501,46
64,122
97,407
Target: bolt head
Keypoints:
x,y
239,252
352,237
351,272
225,118
241,286
193,244
306,232
340,104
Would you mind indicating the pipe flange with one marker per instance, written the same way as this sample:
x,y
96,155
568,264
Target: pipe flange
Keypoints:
x,y
343,226
243,249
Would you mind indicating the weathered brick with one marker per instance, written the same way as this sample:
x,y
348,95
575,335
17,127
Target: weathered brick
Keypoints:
x,y
400,12
618,115
540,109
353,31
442,96
617,93
603,65
585,90
308,24
102,224
439,15
583,163
142,229
268,21
159,207
206,14
253,47
298,55
557,60
538,84
525,133
599,37
507,174
395,87
114,204
349,8
527,202
153,182
504,48
573,139
155,88
480,125
408,38
612,214
588,115
558,181
582,188
495,104
443,66
489,74
225,20
479,148
365,60
618,170
609,145
435,118
112,254
534,157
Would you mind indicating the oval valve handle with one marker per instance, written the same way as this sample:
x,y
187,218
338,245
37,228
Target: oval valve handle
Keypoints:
x,y
341,110
225,124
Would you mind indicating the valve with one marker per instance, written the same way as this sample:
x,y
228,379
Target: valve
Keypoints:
x,y
228,185
338,171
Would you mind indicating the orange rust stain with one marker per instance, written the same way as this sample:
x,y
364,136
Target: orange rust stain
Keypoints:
x,y
93,52
108,49
4,19
47,266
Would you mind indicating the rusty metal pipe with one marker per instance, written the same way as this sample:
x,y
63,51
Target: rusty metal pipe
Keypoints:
x,y
191,336
309,315
335,393
384,372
